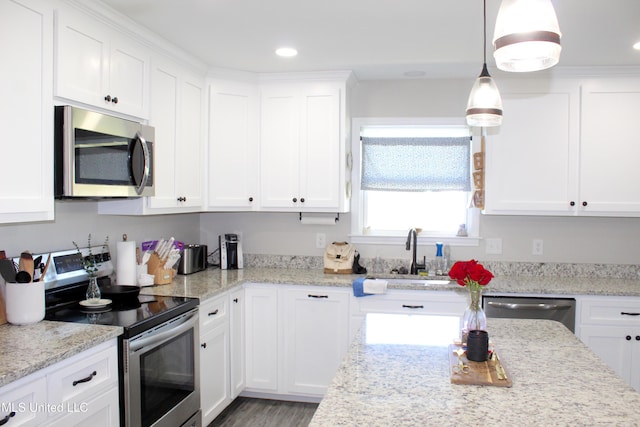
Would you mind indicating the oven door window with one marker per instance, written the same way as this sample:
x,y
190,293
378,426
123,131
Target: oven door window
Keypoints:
x,y
167,376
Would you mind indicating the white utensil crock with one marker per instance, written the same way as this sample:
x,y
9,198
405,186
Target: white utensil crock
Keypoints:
x,y
24,302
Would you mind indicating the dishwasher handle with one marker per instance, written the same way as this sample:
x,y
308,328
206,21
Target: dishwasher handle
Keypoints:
x,y
528,306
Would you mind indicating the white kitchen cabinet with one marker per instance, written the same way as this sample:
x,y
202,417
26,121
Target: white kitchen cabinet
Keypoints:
x,y
262,338
531,159
177,114
448,304
236,339
81,391
565,148
609,170
234,146
214,357
610,326
316,337
303,156
26,116
97,65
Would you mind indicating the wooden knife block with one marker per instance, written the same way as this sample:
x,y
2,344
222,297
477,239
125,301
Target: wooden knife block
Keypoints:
x,y
161,275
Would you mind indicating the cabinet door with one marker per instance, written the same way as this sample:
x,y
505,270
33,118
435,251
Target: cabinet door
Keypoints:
x,y
234,146
17,398
190,144
214,372
531,159
280,148
320,148
316,337
614,345
26,115
609,152
102,410
261,344
236,339
97,66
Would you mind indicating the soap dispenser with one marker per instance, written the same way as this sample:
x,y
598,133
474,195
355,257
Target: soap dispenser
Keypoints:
x,y
439,260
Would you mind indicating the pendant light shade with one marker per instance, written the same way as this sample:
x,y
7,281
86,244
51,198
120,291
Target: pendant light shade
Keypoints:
x,y
484,107
527,36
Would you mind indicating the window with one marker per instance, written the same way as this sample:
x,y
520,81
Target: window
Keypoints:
x,y
412,173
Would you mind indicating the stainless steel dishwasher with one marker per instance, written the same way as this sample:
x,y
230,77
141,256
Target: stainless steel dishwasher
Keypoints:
x,y
561,309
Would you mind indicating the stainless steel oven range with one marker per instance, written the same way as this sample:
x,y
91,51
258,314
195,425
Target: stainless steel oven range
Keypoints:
x,y
158,351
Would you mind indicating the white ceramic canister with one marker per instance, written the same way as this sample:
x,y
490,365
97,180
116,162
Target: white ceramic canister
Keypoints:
x,y
24,302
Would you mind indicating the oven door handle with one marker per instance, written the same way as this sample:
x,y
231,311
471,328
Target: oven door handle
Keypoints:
x,y
160,337
528,306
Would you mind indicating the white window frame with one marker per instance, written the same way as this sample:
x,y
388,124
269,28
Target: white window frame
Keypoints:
x,y
357,220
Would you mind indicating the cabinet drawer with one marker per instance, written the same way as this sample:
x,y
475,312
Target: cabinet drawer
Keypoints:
x,y
102,410
24,402
435,303
213,312
83,375
610,311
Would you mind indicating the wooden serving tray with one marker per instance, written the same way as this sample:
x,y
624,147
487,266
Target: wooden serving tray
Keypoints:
x,y
479,373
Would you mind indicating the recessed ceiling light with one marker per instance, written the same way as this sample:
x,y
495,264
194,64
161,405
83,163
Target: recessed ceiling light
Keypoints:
x,y
415,73
286,52
636,45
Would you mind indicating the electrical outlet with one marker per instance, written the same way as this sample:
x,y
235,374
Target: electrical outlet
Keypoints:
x,y
493,246
537,248
321,240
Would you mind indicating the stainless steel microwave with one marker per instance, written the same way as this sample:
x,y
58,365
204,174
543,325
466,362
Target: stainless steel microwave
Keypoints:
x,y
100,156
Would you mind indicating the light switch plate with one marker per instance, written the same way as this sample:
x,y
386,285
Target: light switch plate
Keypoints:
x,y
493,246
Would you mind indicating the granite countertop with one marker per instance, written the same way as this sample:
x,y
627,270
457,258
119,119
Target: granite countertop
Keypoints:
x,y
211,282
557,380
29,348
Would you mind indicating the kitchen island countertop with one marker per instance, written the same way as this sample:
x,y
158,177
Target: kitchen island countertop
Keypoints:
x,y
557,380
29,348
211,282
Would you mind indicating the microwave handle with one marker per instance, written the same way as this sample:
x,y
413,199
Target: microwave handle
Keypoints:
x,y
145,152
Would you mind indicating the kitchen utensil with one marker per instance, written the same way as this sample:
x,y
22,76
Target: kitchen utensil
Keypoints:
x,y
8,270
26,263
46,267
23,277
3,255
36,262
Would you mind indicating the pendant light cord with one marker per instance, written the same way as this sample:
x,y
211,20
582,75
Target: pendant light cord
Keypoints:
x,y
484,32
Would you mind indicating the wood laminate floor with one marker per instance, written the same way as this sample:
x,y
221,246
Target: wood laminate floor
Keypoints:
x,y
248,412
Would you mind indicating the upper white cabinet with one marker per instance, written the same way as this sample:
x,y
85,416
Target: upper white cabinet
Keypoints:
x,y
609,152
302,146
177,114
98,66
531,159
234,146
565,148
26,115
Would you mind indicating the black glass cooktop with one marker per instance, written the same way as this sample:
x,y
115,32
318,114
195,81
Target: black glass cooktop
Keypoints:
x,y
135,315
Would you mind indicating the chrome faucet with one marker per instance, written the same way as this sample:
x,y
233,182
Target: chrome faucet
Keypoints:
x,y
413,237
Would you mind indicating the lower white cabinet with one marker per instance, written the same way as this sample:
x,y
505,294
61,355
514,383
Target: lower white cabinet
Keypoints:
x,y
79,391
316,337
236,339
610,326
214,357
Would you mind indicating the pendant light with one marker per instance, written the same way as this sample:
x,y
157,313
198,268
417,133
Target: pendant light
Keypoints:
x,y
527,36
484,107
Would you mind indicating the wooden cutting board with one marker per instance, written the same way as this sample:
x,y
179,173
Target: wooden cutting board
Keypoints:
x,y
479,373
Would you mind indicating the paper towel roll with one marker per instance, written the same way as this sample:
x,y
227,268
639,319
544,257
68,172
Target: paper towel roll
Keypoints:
x,y
318,220
126,270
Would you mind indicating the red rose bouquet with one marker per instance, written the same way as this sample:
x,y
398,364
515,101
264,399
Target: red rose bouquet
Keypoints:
x,y
470,273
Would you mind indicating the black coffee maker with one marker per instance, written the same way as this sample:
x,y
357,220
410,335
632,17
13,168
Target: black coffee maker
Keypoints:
x,y
230,252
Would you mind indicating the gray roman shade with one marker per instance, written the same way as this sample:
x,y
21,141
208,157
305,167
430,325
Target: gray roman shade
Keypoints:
x,y
416,164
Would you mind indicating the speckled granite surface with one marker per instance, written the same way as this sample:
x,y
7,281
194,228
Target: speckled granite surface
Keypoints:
x,y
557,381
210,282
29,348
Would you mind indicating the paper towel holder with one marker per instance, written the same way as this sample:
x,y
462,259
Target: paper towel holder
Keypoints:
x,y
321,220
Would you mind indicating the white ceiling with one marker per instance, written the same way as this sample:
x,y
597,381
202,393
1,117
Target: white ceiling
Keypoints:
x,y
375,38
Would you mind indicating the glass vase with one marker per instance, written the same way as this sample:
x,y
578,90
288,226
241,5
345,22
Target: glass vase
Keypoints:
x,y
93,290
474,317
